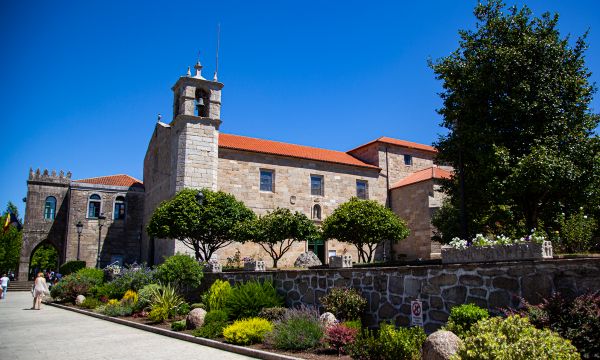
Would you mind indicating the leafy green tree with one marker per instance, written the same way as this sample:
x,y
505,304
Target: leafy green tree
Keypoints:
x,y
181,271
516,101
204,228
10,247
278,230
45,257
364,224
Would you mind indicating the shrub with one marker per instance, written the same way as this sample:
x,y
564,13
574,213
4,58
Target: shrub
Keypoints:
x,y
575,319
145,296
164,303
181,271
218,294
129,279
272,313
178,325
130,297
298,330
353,324
248,299
463,317
214,323
339,337
71,266
115,309
514,338
72,285
389,343
90,303
577,232
247,331
345,304
92,273
198,306
183,309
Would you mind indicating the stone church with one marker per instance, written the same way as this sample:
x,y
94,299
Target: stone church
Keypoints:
x,y
102,220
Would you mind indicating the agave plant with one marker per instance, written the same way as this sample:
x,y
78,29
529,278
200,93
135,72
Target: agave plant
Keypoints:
x,y
164,303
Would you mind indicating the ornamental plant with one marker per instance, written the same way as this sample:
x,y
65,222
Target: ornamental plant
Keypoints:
x,y
248,299
217,295
576,232
388,343
338,337
164,303
247,331
344,303
181,271
514,338
299,329
214,323
463,317
131,297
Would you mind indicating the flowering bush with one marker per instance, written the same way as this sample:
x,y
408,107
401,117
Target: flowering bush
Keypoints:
x,y
536,236
345,304
299,329
576,232
339,337
130,297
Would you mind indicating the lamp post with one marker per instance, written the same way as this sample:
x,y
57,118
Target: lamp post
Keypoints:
x,y
79,227
101,219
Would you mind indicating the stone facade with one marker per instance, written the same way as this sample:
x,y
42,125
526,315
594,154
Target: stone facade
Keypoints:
x,y
389,291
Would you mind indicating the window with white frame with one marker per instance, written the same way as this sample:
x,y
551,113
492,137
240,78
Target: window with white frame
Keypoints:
x,y
316,185
94,203
119,213
50,208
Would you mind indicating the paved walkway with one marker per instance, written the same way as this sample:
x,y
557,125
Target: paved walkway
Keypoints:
x,y
52,333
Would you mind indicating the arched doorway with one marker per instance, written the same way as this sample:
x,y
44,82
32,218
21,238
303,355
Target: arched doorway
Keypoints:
x,y
44,257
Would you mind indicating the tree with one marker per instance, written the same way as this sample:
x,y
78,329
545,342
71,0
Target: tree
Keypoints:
x,y
364,224
10,242
516,101
204,228
278,230
45,257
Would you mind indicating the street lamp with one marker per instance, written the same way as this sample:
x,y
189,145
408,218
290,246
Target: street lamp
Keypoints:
x,y
79,227
101,219
200,198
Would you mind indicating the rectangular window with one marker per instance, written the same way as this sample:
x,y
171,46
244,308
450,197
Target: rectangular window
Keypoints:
x,y
266,180
316,185
362,189
407,159
94,210
119,211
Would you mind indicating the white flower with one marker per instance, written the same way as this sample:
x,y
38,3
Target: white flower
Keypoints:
x,y
581,208
585,216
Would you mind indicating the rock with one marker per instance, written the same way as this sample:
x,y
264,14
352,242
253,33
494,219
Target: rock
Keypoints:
x,y
328,319
307,259
195,318
79,299
441,345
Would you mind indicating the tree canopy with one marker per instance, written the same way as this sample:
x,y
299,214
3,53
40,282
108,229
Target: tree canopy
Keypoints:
x,y
521,135
277,231
204,228
10,242
364,224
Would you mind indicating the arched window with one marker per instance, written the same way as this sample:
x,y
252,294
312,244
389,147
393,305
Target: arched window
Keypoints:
x,y
50,208
316,213
119,213
94,206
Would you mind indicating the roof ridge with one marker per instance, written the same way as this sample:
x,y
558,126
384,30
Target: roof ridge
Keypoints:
x,y
105,176
286,143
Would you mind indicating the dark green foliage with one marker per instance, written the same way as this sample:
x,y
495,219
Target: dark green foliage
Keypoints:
x,y
115,310
45,257
90,303
364,224
203,228
145,295
277,231
463,317
214,323
345,304
71,267
92,273
183,309
576,319
129,279
248,299
576,233
178,325
272,314
72,285
198,306
514,338
10,247
300,329
517,107
389,343
181,271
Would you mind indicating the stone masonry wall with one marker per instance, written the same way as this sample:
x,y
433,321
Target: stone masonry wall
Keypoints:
x,y
389,291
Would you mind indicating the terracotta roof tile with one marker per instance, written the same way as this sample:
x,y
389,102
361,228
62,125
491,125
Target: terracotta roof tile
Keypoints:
x,y
403,143
423,175
113,180
237,142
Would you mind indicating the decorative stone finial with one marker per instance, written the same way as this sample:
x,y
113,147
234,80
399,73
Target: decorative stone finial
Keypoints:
x,y
189,72
30,173
159,117
45,173
53,173
61,174
68,174
198,68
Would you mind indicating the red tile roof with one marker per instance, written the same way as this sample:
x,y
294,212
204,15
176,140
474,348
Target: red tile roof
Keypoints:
x,y
244,143
403,143
113,180
423,175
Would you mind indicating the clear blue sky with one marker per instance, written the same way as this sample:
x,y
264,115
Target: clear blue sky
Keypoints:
x,y
82,81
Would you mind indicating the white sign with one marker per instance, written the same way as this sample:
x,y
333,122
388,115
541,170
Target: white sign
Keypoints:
x,y
416,313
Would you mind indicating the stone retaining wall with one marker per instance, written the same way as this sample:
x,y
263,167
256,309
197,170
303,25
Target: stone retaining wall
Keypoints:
x,y
390,290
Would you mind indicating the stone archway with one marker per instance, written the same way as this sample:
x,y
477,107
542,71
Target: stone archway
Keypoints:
x,y
45,256
31,243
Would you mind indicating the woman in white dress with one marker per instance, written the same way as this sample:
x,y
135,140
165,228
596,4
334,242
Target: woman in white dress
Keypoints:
x,y
40,289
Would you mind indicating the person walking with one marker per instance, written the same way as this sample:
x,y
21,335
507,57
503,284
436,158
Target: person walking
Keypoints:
x,y
4,283
40,289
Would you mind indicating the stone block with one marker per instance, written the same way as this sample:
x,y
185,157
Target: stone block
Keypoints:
x,y
340,261
257,265
455,294
471,280
535,288
499,299
506,283
523,251
443,280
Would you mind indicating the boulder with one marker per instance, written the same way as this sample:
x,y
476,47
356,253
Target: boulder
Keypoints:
x,y
441,345
79,299
328,319
307,259
195,318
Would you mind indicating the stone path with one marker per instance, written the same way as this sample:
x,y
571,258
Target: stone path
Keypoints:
x,y
52,333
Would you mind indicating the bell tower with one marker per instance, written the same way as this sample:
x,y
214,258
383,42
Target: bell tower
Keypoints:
x,y
195,130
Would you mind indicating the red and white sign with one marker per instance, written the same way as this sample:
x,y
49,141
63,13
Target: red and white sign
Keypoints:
x,y
416,313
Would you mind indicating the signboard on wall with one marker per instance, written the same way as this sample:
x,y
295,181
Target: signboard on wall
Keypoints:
x,y
416,313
